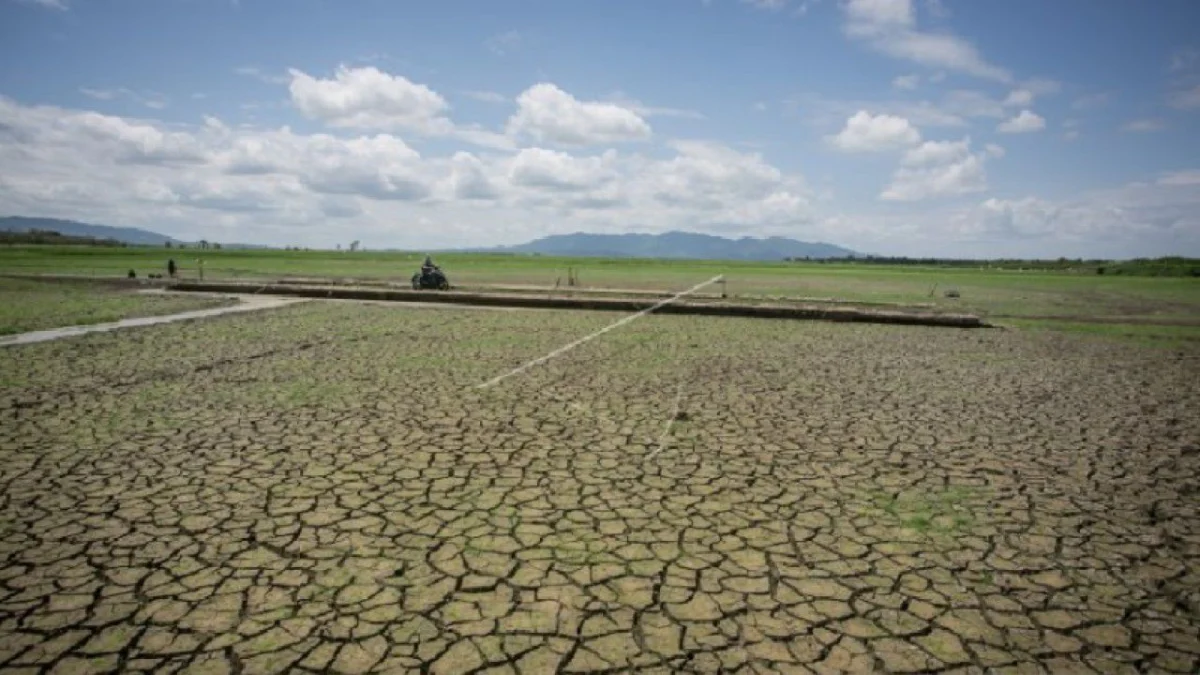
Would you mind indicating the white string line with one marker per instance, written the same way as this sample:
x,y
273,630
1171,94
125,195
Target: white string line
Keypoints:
x,y
662,439
602,331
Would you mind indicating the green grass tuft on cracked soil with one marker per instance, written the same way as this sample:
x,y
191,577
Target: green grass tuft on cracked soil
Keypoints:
x,y
945,512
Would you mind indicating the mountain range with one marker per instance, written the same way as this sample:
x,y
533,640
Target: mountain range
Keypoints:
x,y
682,245
129,235
678,245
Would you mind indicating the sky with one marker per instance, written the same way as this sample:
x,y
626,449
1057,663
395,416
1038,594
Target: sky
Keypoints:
x,y
965,128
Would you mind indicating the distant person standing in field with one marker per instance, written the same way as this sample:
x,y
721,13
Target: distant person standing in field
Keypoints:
x,y
171,268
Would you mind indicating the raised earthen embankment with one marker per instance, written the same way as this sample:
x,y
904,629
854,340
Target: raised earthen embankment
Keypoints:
x,y
546,301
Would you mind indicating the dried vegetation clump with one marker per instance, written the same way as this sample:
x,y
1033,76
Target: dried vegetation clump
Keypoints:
x,y
321,487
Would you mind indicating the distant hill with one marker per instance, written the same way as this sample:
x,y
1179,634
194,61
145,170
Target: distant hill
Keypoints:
x,y
683,245
71,228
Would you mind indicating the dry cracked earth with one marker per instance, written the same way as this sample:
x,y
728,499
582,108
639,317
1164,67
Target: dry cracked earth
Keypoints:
x,y
322,488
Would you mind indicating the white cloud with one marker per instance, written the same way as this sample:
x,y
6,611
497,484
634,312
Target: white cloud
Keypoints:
x,y
804,6
261,75
1041,86
823,112
1180,178
101,94
890,27
368,98
865,132
548,114
227,183
554,170
1163,215
906,82
486,96
48,4
504,43
1019,98
936,152
939,169
149,99
1138,219
1144,125
1025,122
619,98
468,180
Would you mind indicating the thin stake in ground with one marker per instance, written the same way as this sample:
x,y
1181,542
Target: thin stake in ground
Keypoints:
x,y
662,439
564,349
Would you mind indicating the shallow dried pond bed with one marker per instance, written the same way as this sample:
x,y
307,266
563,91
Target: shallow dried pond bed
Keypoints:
x,y
322,487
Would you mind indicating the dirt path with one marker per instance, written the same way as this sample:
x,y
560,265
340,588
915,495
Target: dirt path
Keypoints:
x,y
249,303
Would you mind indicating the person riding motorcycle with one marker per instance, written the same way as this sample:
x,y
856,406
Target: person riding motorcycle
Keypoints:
x,y
428,268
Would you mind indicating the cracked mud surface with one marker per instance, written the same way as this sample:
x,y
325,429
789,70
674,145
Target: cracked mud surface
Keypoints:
x,y
320,488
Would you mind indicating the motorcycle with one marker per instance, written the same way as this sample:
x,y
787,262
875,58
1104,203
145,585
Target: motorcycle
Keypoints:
x,y
432,279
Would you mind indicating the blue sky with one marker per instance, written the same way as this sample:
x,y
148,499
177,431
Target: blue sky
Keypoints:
x,y
914,127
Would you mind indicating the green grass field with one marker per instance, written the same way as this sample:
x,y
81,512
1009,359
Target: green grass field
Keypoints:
x,y
33,305
1047,297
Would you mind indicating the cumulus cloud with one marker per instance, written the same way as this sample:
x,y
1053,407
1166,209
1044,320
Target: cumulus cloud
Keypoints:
x,y
940,169
907,82
468,180
1151,218
865,132
368,98
1024,122
548,114
890,27
554,170
1159,213
224,182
